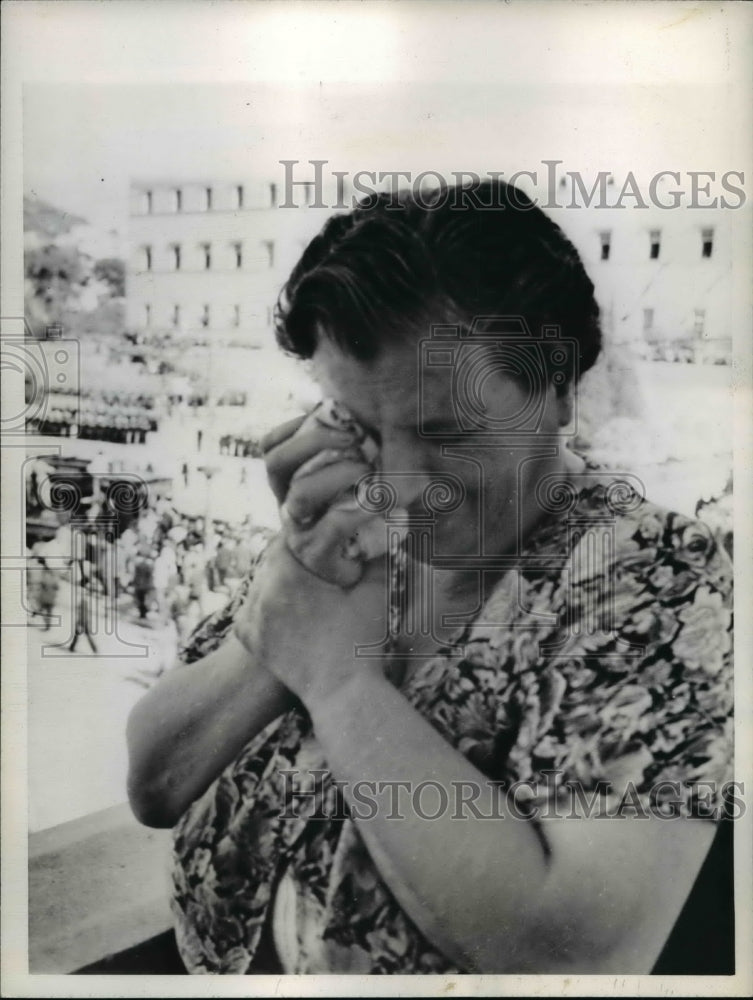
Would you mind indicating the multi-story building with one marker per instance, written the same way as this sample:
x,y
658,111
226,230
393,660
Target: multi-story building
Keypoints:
x,y
664,279
210,258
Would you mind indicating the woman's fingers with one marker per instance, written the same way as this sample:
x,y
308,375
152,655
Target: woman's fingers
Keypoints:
x,y
313,465
321,481
338,548
328,426
287,457
279,434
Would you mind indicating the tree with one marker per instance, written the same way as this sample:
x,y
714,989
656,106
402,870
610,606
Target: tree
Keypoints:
x,y
55,277
111,270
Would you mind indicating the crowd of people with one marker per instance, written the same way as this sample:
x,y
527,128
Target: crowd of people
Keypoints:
x,y
164,338
242,445
193,399
169,562
168,570
117,417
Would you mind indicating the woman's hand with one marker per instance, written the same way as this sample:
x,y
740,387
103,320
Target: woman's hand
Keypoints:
x,y
295,630
305,631
321,590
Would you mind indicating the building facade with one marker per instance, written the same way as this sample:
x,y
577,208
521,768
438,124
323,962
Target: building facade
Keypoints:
x,y
664,279
208,259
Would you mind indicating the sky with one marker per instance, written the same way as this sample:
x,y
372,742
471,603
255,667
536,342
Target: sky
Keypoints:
x,y
225,90
84,142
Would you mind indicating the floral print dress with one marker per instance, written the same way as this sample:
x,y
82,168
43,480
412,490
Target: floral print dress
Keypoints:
x,y
603,658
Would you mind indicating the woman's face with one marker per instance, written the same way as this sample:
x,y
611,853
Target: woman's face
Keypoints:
x,y
409,408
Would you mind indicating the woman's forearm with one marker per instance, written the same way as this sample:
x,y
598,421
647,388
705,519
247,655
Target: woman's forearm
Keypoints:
x,y
476,880
192,724
460,880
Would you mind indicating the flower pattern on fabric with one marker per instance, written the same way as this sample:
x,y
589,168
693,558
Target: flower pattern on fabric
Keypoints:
x,y
615,670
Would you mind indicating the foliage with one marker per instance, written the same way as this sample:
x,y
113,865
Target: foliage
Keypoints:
x,y
111,270
106,320
46,220
55,276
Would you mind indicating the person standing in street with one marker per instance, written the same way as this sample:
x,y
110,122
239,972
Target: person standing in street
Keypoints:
x,y
47,593
84,580
143,580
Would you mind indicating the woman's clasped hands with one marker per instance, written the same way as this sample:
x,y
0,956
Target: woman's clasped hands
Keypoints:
x,y
321,590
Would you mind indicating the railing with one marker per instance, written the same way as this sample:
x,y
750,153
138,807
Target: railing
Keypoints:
x,y
97,885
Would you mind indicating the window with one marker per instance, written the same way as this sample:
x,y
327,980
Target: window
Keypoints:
x,y
699,322
147,258
648,320
606,244
176,315
236,315
207,250
147,315
273,195
238,250
178,200
239,193
208,192
148,202
176,256
707,242
205,316
269,246
655,243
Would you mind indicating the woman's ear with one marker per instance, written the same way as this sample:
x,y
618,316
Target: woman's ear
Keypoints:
x,y
565,404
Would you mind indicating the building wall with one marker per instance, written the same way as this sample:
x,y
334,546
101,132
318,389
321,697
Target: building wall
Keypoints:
x,y
678,297
252,247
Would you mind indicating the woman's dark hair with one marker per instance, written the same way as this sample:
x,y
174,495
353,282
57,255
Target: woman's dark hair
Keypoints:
x,y
396,266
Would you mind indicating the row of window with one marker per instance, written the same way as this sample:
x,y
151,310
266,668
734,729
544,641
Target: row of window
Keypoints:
x,y
268,248
654,243
177,204
699,321
176,251
204,317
